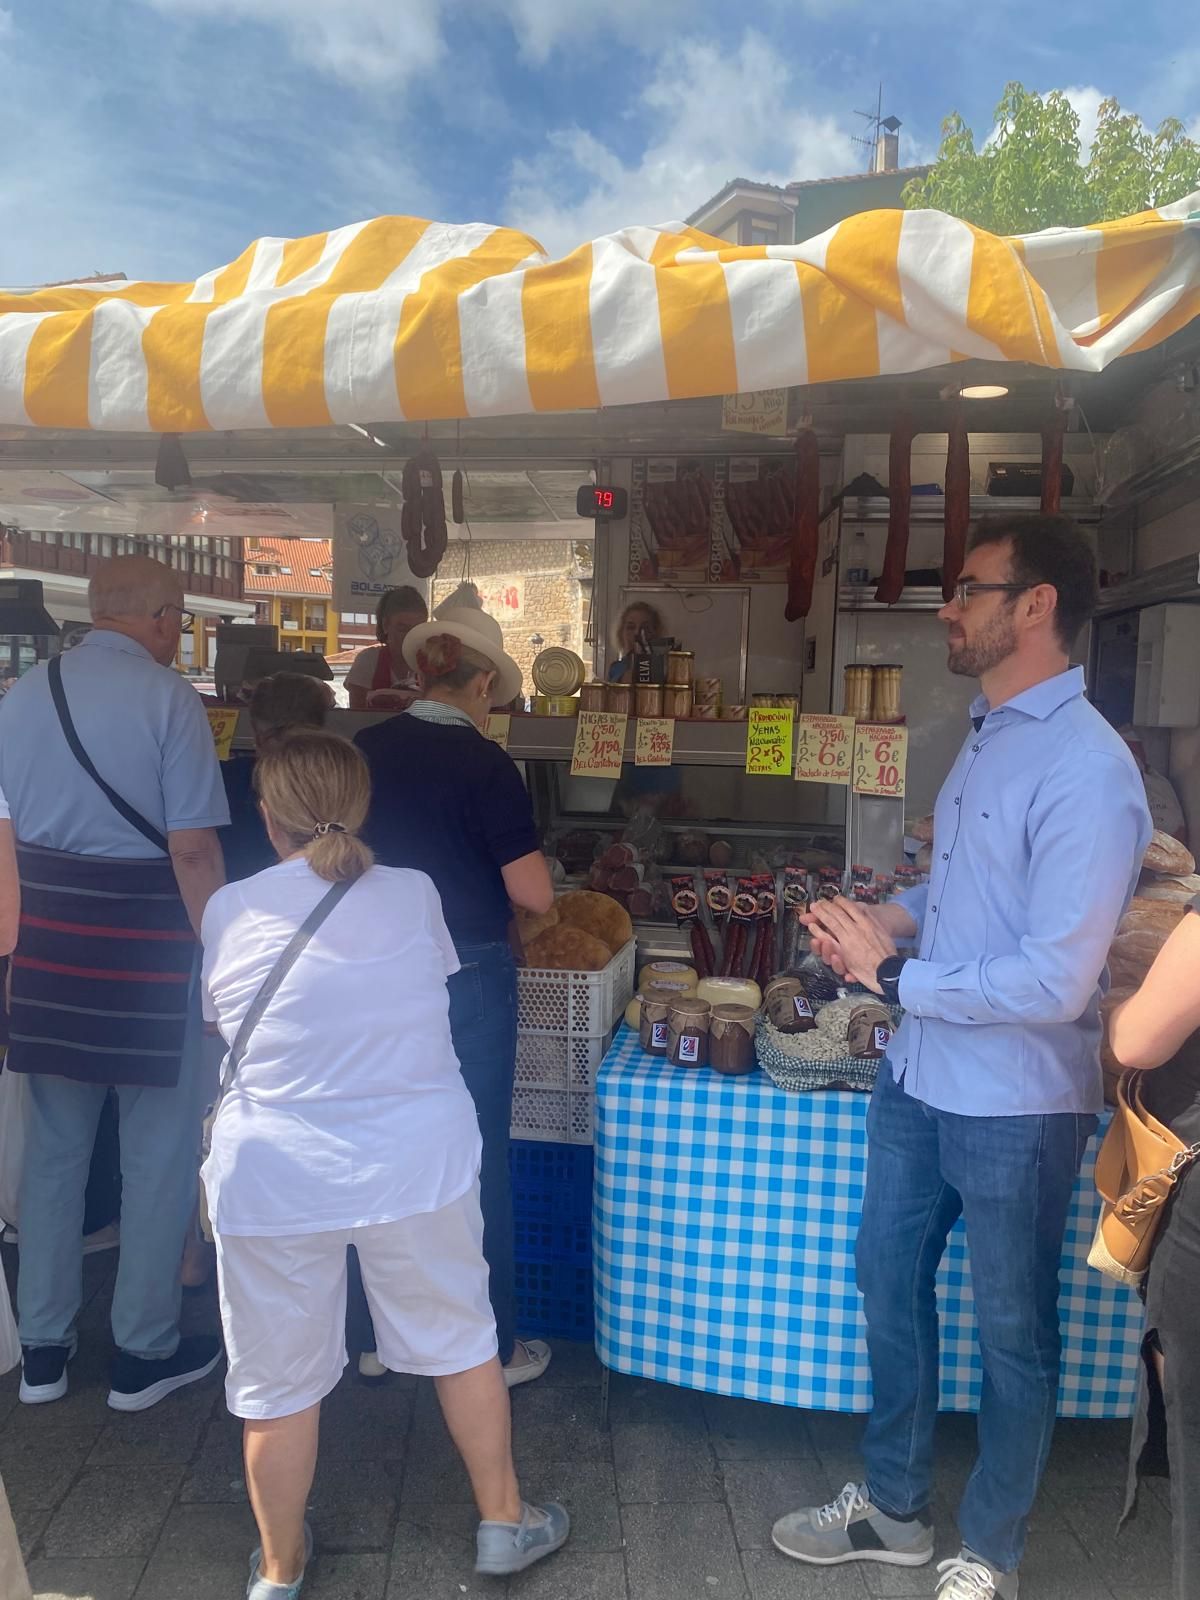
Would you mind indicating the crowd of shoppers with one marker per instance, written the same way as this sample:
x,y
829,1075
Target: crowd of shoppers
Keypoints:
x,y
358,974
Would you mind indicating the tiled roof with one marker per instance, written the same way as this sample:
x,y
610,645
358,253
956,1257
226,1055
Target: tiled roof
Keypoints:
x,y
857,177
305,568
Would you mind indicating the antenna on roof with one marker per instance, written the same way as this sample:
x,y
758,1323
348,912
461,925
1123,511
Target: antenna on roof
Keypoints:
x,y
882,143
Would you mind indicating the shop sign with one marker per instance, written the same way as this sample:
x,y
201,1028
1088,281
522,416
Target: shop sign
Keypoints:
x,y
655,745
599,745
824,746
755,411
368,556
769,741
499,726
223,721
880,759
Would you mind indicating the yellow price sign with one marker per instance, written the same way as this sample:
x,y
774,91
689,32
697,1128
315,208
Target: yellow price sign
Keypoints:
x,y
599,744
769,732
223,721
655,746
499,726
824,747
880,759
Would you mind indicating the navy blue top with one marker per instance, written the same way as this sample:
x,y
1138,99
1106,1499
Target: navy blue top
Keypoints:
x,y
245,843
449,803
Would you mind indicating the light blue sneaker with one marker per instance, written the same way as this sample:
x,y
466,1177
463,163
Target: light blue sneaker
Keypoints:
x,y
259,1589
504,1547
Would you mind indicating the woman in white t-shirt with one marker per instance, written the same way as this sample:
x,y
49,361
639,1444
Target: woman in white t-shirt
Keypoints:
x,y
380,679
10,885
347,1123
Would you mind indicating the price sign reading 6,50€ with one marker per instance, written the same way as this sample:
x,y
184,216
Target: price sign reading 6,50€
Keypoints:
x,y
824,746
880,757
655,742
769,741
599,745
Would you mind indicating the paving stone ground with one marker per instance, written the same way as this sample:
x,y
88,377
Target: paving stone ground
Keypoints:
x,y
673,1501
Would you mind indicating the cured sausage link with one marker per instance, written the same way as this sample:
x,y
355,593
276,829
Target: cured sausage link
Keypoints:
x,y
806,523
958,504
895,560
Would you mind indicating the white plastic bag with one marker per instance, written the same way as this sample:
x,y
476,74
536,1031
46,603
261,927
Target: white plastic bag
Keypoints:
x,y
14,1116
10,1344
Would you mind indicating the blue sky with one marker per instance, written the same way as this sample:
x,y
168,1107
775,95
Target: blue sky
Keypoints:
x,y
158,137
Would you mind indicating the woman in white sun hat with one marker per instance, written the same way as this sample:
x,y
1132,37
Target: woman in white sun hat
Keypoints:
x,y
449,802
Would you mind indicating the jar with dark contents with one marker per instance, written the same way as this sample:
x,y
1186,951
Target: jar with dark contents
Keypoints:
x,y
869,1031
653,1030
731,1039
688,1025
788,1005
861,874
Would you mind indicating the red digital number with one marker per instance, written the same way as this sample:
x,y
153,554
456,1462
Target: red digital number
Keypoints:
x,y
604,499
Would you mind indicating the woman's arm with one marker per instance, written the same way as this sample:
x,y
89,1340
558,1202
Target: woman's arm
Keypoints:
x,y
10,891
358,696
528,883
1149,1027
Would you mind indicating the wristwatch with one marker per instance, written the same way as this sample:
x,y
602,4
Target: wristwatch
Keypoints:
x,y
887,976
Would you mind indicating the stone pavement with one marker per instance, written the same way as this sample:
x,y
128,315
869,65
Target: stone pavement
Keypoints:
x,y
674,1502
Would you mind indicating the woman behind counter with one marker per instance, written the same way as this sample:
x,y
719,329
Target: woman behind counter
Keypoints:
x,y
450,803
381,679
637,615
1156,1031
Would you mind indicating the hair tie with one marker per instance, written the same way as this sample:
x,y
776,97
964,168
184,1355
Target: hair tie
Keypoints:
x,y
322,828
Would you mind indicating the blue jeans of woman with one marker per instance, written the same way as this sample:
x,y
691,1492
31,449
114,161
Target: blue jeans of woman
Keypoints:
x,y
483,1025
1011,1179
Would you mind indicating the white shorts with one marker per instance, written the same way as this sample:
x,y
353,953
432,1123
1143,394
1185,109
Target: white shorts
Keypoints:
x,y
283,1305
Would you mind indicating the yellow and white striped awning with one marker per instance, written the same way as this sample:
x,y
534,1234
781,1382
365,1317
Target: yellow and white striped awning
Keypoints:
x,y
399,319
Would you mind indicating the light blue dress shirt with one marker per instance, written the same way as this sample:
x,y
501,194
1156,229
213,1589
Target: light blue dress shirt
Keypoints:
x,y
1039,834
146,732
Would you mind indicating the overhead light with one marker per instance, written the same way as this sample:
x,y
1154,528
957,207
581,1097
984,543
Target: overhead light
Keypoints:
x,y
983,391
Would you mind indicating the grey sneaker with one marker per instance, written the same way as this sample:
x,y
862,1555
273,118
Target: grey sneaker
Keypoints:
x,y
850,1528
504,1547
259,1589
970,1577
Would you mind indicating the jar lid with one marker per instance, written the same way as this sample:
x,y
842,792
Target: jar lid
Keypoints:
x,y
744,1015
688,1008
687,655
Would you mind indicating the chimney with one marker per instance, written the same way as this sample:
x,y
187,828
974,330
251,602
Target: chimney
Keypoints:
x,y
887,146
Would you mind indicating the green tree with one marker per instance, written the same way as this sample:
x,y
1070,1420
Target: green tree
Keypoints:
x,y
1031,174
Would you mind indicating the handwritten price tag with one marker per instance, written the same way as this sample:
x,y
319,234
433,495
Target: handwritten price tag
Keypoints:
x,y
769,741
824,746
655,745
599,745
499,726
223,721
880,759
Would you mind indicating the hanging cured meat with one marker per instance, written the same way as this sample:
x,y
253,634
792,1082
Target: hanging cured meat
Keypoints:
x,y
895,559
423,519
1052,462
958,504
806,525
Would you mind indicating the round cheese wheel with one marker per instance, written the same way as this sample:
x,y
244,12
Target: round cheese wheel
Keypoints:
x,y
730,992
677,973
633,1012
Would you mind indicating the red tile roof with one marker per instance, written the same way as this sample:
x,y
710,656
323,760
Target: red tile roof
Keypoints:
x,y
298,561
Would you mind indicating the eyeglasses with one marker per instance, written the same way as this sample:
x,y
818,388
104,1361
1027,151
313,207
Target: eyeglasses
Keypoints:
x,y
964,590
186,618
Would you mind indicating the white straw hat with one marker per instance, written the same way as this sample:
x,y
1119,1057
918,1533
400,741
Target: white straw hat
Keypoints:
x,y
476,631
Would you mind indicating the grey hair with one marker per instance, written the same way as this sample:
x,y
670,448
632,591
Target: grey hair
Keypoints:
x,y
132,586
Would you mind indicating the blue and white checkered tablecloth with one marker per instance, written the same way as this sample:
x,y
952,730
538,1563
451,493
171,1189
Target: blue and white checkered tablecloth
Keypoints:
x,y
725,1218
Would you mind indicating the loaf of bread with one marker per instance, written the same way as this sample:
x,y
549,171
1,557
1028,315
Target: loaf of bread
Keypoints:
x,y
1167,856
599,915
530,924
1154,888
567,949
1155,915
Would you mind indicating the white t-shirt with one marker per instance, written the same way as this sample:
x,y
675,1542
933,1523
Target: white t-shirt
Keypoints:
x,y
363,668
5,813
348,1108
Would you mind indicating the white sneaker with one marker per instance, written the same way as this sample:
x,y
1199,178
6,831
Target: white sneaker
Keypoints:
x,y
530,1358
968,1577
370,1368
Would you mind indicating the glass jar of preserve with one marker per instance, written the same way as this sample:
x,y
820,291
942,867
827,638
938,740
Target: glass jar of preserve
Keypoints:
x,y
618,698
681,668
593,697
731,1039
788,1005
677,701
688,1024
648,698
858,693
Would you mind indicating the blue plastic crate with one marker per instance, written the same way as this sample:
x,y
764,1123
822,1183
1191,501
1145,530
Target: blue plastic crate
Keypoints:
x,y
554,1299
552,1239
551,1182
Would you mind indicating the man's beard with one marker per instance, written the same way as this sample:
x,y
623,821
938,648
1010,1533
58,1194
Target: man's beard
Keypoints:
x,y
994,644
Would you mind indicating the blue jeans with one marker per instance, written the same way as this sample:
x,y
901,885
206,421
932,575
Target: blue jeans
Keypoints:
x,y
1011,1179
159,1149
483,1025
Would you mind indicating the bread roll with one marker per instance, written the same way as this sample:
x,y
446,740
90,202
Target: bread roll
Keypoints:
x,y
1167,856
568,949
598,915
530,924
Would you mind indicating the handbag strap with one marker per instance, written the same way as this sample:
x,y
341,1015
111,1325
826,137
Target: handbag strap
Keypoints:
x,y
276,976
132,817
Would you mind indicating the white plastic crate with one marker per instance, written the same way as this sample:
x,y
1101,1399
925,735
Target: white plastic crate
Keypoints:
x,y
576,1004
565,1023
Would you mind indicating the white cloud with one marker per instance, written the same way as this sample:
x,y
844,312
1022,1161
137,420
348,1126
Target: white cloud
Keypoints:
x,y
1086,102
716,113
543,26
6,22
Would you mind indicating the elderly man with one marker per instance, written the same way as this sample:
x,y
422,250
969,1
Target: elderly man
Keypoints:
x,y
108,766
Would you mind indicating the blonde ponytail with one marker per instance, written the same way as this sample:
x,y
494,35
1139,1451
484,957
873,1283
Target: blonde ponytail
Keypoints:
x,y
316,789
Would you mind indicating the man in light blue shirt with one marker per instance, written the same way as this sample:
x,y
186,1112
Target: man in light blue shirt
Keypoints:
x,y
993,1083
108,766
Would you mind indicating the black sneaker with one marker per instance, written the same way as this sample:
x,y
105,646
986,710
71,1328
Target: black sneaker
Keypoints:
x,y
138,1384
44,1373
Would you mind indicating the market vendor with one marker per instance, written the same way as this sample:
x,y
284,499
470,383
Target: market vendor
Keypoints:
x,y
639,615
381,679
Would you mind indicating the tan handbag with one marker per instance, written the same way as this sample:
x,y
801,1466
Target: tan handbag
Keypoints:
x,y
1139,1164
